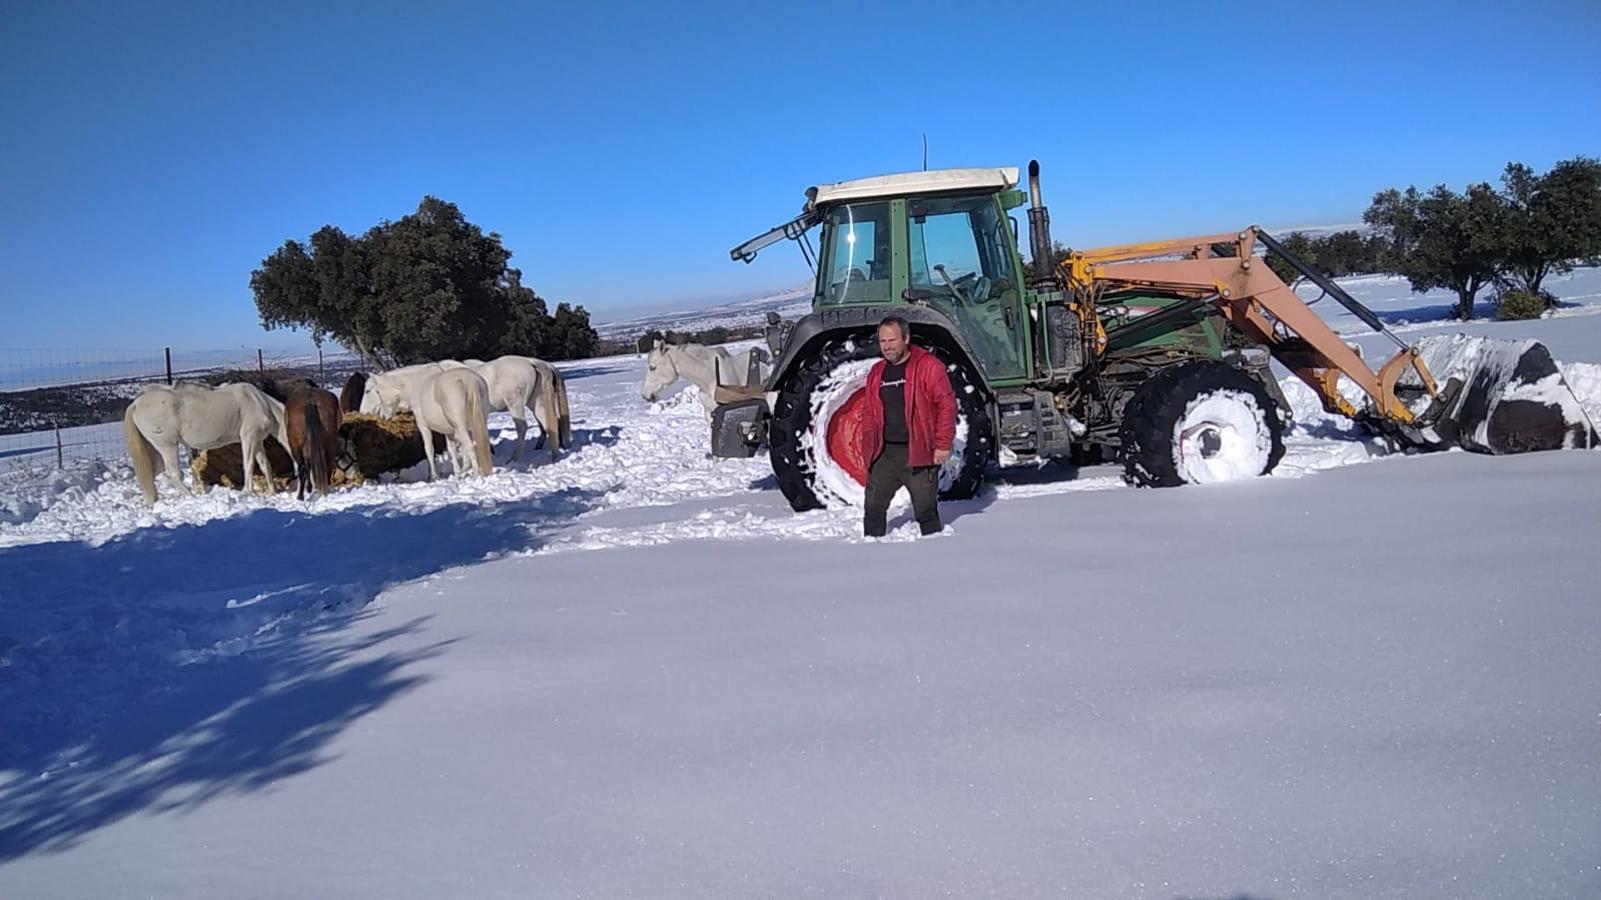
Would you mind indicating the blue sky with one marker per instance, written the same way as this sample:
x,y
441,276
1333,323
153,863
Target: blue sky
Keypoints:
x,y
154,154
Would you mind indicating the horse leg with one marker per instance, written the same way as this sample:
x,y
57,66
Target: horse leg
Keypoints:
x,y
297,457
428,450
522,430
247,456
464,445
169,461
265,466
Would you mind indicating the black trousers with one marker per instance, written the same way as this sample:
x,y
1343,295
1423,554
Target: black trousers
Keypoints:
x,y
886,476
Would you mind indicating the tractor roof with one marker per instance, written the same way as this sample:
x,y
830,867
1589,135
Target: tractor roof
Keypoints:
x,y
926,182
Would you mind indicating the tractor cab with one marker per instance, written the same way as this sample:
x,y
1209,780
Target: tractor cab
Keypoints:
x,y
941,240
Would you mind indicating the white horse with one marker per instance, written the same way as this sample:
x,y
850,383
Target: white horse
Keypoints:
x,y
521,383
392,387
705,367
453,402
201,418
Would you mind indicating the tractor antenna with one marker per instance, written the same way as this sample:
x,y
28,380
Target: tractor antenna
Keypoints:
x,y
925,152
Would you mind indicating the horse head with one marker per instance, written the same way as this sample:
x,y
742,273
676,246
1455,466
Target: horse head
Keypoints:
x,y
380,397
660,372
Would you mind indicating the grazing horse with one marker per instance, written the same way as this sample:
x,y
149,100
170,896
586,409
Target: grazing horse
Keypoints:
x,y
202,418
389,390
311,432
521,383
350,396
453,402
705,367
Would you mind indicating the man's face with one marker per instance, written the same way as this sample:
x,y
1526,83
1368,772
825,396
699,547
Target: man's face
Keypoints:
x,y
892,343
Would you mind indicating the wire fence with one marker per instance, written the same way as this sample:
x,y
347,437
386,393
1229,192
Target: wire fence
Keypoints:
x,y
63,404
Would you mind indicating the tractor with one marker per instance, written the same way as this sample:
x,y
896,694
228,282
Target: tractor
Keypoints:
x,y
1157,356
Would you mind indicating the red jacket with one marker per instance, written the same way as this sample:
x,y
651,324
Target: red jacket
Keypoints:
x,y
930,409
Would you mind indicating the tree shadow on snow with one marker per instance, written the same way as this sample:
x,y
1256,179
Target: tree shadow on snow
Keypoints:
x,y
172,666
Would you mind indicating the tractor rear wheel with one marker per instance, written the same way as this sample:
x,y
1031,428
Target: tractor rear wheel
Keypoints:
x,y
817,417
1197,423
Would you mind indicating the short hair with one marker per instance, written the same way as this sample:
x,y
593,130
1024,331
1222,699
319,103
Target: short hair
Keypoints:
x,y
898,322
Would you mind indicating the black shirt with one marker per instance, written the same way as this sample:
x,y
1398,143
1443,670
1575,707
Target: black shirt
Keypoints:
x,y
893,393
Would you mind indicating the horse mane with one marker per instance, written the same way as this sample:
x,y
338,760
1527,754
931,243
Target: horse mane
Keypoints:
x,y
701,351
280,389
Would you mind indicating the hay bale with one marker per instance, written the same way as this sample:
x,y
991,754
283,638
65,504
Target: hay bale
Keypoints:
x,y
224,466
384,445
378,446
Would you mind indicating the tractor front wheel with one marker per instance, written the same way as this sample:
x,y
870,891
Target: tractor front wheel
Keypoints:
x,y
812,437
1198,423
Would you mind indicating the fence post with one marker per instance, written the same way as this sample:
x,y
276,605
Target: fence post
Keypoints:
x,y
261,367
322,376
169,366
60,464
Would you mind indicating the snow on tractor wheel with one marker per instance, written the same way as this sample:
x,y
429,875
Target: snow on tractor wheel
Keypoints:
x,y
1198,423
812,437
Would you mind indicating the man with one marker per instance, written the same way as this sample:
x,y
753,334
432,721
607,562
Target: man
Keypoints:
x,y
908,425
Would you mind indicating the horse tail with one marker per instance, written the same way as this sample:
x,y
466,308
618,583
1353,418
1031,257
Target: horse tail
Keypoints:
x,y
479,429
143,454
553,396
315,442
564,418
547,406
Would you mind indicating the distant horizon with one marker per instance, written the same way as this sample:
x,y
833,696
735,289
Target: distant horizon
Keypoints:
x,y
294,341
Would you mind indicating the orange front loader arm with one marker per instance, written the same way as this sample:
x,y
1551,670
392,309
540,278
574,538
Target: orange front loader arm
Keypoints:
x,y
1258,303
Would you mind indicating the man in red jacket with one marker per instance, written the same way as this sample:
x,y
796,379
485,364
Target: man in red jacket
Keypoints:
x,y
909,422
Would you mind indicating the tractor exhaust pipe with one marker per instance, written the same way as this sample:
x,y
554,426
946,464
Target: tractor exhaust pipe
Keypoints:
x,y
1039,232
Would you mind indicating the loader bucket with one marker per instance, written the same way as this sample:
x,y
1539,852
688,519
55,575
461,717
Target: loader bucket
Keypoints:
x,y
1497,396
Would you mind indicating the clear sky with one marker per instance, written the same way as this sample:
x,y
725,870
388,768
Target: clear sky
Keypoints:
x,y
153,154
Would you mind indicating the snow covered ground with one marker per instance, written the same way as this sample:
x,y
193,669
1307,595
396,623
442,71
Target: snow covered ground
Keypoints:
x,y
632,671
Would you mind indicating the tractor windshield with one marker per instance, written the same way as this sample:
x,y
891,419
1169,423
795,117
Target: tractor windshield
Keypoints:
x,y
856,255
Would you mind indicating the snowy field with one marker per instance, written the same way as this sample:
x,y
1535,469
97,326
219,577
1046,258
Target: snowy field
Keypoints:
x,y
633,671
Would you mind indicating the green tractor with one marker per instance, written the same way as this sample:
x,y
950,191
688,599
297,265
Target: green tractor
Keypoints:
x,y
1155,355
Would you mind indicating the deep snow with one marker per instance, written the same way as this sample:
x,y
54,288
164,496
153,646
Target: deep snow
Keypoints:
x,y
633,671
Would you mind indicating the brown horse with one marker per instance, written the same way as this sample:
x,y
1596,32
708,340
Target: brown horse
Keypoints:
x,y
311,424
350,397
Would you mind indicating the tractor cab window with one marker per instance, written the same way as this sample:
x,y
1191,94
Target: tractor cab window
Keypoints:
x,y
857,254
961,256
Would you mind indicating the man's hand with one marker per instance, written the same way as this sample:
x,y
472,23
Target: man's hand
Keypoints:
x,y
940,456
